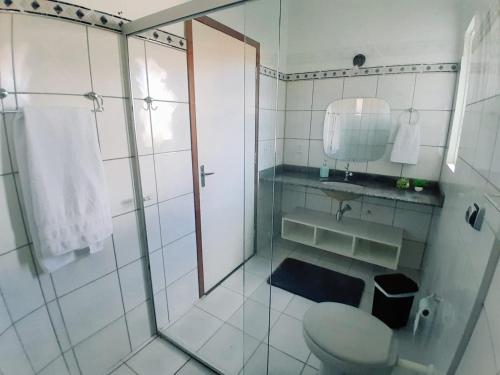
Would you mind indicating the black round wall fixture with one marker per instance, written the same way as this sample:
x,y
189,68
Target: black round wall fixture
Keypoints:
x,y
359,60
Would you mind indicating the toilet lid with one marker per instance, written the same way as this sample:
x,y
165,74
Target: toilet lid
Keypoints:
x,y
349,334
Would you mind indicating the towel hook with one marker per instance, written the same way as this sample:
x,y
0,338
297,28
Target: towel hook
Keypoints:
x,y
149,103
3,93
98,99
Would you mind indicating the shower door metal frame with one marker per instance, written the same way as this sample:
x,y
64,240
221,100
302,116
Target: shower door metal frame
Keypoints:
x,y
187,11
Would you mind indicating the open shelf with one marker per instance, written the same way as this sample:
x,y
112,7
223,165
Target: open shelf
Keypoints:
x,y
374,243
298,232
377,253
335,242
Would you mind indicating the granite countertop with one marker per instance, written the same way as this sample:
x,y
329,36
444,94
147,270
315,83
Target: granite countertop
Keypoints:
x,y
376,186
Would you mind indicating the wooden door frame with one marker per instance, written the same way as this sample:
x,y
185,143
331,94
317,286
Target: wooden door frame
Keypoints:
x,y
188,28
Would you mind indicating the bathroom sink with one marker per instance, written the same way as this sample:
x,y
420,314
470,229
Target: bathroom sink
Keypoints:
x,y
342,191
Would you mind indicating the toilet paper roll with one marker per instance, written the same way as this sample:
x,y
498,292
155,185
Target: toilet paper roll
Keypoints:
x,y
426,309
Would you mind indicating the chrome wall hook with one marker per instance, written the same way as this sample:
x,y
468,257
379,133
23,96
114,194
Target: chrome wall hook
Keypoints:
x,y
97,99
149,103
3,93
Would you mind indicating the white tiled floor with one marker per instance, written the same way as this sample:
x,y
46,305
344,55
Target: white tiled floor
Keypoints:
x,y
228,328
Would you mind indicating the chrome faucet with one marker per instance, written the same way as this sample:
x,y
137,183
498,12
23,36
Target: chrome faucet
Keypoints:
x,y
347,173
342,210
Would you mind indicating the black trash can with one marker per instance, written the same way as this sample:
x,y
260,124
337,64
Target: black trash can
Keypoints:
x,y
393,298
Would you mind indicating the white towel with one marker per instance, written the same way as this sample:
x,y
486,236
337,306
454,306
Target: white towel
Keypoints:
x,y
62,183
407,144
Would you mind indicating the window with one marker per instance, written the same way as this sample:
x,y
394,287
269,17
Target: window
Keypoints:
x,y
461,97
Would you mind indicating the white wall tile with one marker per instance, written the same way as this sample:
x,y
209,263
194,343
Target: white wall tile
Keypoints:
x,y
139,323
299,95
57,367
327,91
268,153
182,294
267,124
100,352
397,90
411,254
429,164
415,224
170,166
486,137
492,306
317,124
434,127
13,360
6,71
5,321
72,362
17,273
267,92
167,73
143,130
112,125
148,179
297,124
161,309
180,258
479,357
38,339
153,227
377,213
435,91
317,155
59,325
319,203
384,165
105,64
90,308
134,286
296,152
171,127
5,166
126,238
354,166
292,199
88,267
470,130
138,71
156,270
177,218
360,87
11,223
60,50
119,179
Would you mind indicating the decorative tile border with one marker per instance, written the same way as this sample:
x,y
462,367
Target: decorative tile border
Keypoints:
x,y
75,13
369,71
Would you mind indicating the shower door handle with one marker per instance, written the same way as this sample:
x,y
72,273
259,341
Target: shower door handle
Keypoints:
x,y
203,174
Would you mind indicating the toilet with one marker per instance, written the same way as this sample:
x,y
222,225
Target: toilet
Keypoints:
x,y
349,341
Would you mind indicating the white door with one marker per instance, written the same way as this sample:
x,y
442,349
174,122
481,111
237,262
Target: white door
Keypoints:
x,y
225,120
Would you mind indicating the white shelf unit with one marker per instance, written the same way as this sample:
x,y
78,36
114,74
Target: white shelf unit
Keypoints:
x,y
370,242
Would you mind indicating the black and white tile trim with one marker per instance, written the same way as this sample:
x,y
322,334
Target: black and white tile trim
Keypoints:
x,y
75,13
369,71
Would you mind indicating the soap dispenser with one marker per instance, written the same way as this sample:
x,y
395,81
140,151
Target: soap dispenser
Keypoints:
x,y
324,171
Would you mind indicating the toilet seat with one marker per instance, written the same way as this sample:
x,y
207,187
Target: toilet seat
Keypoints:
x,y
349,337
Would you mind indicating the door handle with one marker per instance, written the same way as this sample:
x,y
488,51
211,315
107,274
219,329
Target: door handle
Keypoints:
x,y
203,174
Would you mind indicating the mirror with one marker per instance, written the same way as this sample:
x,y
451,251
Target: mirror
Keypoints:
x,y
357,129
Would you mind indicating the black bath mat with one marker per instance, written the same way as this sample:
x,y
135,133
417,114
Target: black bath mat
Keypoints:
x,y
317,283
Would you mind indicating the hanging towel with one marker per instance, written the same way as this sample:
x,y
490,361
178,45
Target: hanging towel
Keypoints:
x,y
331,132
407,144
62,183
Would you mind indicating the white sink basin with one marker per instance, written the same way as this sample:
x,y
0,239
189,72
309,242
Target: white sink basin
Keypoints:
x,y
342,191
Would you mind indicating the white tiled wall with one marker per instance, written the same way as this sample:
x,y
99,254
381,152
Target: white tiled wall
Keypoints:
x,y
430,93
457,255
83,318
164,144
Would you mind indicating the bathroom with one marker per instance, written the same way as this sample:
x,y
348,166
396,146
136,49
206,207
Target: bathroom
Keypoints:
x,y
333,248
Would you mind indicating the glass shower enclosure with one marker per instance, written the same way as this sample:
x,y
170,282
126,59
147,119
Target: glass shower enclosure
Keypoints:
x,y
207,112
